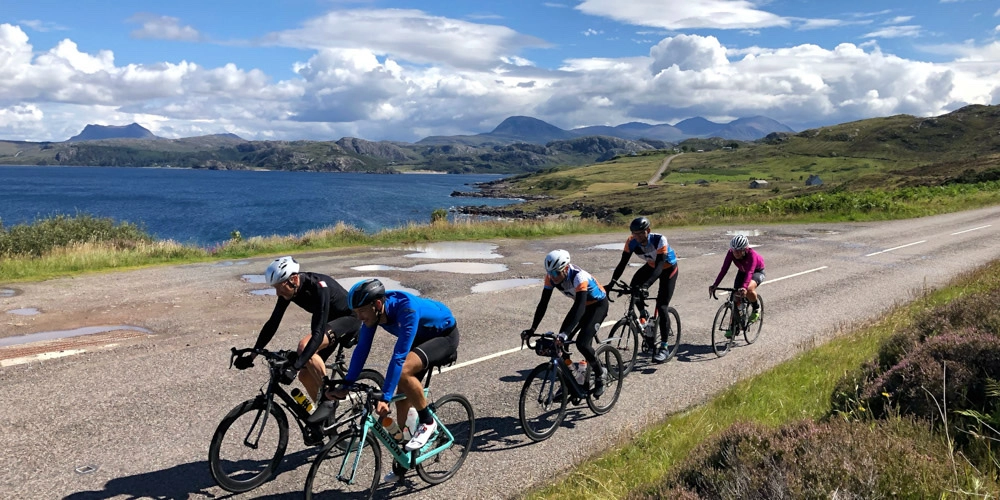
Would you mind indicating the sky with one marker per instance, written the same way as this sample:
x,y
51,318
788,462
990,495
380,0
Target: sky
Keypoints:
x,y
394,70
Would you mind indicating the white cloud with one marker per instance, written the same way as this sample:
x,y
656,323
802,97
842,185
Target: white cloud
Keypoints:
x,y
42,26
590,32
690,14
899,20
163,28
894,32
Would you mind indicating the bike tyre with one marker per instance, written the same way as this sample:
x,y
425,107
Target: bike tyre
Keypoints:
x,y
322,478
752,331
723,318
550,379
626,339
217,462
613,364
456,413
674,338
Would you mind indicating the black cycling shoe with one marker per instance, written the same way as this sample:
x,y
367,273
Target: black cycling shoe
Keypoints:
x,y
598,390
323,411
662,353
312,436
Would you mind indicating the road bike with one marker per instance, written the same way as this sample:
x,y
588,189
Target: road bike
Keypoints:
x,y
351,464
732,319
250,441
552,385
625,334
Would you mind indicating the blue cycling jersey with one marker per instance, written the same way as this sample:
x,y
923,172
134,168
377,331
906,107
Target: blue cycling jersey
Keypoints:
x,y
409,318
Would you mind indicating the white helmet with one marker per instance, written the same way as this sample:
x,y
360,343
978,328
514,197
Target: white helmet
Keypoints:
x,y
739,242
556,261
280,270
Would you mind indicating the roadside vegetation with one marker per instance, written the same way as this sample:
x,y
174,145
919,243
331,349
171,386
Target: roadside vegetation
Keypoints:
x,y
907,406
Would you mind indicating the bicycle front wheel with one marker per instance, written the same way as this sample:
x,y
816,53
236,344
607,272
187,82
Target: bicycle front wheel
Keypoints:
x,y
351,406
614,367
455,413
543,402
248,445
337,459
753,329
723,322
624,336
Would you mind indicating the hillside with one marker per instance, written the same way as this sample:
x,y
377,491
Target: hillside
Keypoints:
x,y
98,132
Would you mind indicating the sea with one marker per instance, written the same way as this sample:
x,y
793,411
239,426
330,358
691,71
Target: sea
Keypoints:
x,y
204,207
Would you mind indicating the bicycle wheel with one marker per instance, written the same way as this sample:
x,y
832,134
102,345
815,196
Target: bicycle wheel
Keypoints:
x,y
753,329
323,481
723,320
543,402
246,449
455,413
626,339
611,359
673,332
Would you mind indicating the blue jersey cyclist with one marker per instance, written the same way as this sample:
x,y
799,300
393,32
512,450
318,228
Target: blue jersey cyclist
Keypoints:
x,y
590,306
426,336
661,264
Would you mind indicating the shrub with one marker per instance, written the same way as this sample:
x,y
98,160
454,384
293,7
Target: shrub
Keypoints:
x,y
439,215
43,235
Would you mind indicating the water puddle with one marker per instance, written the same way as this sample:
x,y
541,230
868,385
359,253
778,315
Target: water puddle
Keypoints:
x,y
610,246
347,283
493,286
447,267
228,263
62,334
454,250
264,291
256,279
7,292
745,232
24,311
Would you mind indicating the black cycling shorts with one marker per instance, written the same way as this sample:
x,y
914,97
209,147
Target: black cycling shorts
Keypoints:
x,y
341,331
438,351
758,276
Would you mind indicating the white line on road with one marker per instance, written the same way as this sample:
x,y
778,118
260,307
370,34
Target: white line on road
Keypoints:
x,y
794,275
896,248
973,229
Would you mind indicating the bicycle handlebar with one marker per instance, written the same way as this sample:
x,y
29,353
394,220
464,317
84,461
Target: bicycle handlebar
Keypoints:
x,y
526,340
274,358
719,288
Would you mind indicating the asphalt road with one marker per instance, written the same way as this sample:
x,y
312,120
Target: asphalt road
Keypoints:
x,y
132,415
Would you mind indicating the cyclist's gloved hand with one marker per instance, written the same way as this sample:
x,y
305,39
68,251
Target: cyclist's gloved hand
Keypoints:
x,y
644,292
711,291
527,333
562,338
288,374
243,362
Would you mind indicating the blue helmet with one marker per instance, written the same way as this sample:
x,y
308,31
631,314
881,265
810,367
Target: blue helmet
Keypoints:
x,y
365,292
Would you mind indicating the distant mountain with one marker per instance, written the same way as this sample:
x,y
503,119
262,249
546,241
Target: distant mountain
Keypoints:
x,y
531,130
698,127
98,132
750,129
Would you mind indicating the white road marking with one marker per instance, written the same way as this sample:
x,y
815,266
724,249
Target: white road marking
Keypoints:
x,y
896,248
973,229
793,275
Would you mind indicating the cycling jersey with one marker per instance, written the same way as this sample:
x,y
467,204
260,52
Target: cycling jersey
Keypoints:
x,y
318,294
751,263
649,249
411,319
578,280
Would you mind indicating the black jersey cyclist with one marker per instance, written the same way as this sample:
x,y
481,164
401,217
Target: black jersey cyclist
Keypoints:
x,y
590,306
333,321
661,264
426,335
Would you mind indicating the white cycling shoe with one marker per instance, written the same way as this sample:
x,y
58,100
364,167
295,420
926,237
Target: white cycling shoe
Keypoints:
x,y
423,434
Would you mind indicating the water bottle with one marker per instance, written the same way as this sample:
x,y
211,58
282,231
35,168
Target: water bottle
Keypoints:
x,y
302,399
411,424
392,428
580,372
644,326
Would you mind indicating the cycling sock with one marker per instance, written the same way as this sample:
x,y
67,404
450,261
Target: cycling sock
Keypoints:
x,y
755,305
425,416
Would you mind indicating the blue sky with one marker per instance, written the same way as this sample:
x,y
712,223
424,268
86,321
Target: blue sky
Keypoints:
x,y
390,70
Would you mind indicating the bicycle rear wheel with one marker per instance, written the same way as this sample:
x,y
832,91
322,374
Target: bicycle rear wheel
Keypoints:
x,y
455,413
323,481
246,449
723,320
624,336
542,406
673,333
611,359
753,329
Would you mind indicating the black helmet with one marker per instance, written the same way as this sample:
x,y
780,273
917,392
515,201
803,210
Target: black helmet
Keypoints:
x,y
365,292
639,224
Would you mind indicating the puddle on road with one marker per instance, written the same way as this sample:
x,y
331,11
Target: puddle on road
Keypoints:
x,y
453,250
264,291
610,246
745,232
493,286
447,267
62,334
256,279
7,292
24,311
228,263
347,283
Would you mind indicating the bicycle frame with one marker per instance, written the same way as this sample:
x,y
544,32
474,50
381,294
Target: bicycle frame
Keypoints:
x,y
631,309
578,391
738,305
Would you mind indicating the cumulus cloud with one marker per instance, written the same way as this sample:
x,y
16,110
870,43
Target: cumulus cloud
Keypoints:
x,y
717,14
163,28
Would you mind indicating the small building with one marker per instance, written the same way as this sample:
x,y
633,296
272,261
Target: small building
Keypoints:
x,y
814,180
757,183
701,182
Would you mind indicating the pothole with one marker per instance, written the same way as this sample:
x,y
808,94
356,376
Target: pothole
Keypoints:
x,y
454,250
7,292
24,311
496,285
446,267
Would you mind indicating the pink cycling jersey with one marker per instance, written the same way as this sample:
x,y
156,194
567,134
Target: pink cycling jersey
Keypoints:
x,y
750,263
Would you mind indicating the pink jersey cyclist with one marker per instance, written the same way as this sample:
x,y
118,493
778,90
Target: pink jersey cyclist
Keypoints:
x,y
750,273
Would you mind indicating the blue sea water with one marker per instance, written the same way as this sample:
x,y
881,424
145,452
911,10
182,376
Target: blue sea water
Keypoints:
x,y
202,207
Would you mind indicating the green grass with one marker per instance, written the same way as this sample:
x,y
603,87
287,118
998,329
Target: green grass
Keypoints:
x,y
793,390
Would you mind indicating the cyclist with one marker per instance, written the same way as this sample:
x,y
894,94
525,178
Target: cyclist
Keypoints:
x,y
333,321
590,306
661,264
749,276
426,336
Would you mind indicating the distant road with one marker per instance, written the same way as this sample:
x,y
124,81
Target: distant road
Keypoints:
x,y
663,167
133,419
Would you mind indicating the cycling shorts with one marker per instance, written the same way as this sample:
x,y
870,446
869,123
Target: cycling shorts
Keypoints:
x,y
758,276
438,351
341,331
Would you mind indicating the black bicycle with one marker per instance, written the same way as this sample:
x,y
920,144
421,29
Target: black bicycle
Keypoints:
x,y
551,385
625,334
250,441
732,319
